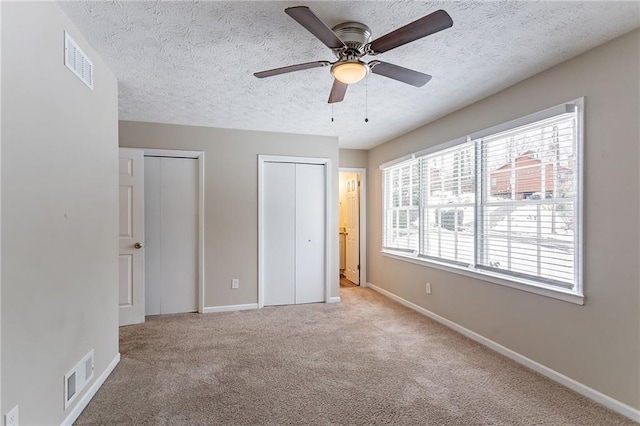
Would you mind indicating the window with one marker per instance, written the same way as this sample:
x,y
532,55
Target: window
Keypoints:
x,y
448,204
402,207
502,203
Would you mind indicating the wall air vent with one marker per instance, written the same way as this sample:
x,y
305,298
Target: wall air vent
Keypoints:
x,y
77,378
77,61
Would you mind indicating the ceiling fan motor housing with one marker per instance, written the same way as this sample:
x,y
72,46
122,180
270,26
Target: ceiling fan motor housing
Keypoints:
x,y
355,36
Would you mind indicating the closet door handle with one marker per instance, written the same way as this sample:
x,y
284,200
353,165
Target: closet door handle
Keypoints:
x,y
138,245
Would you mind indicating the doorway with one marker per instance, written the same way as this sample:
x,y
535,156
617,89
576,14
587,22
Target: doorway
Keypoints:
x,y
135,255
352,226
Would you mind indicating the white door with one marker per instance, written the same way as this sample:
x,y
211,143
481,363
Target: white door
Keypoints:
x,y
310,233
293,235
279,233
352,269
171,235
131,258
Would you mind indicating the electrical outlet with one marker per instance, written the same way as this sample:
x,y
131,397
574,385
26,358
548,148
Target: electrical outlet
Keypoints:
x,y
11,418
428,288
235,283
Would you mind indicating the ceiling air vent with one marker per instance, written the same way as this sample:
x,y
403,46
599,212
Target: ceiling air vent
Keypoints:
x,y
77,61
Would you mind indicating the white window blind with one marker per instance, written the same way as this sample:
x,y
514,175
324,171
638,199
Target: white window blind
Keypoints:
x,y
448,204
505,203
528,204
402,206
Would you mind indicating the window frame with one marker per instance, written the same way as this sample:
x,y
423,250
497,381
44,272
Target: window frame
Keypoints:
x,y
575,295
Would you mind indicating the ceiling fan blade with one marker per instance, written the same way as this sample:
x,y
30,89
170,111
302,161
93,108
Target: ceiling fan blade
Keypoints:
x,y
291,68
399,73
337,91
305,17
427,25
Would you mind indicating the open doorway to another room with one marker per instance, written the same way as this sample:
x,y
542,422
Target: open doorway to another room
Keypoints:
x,y
351,227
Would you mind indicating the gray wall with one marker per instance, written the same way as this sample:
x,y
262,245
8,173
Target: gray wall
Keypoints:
x,y
231,196
597,344
59,213
353,158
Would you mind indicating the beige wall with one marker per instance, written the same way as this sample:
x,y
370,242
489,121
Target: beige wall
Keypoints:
x,y
231,196
597,344
59,213
353,158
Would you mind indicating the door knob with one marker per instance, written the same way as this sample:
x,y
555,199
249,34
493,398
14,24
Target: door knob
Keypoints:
x,y
138,245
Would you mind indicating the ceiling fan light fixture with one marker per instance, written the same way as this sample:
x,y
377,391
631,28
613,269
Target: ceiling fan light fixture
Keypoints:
x,y
350,72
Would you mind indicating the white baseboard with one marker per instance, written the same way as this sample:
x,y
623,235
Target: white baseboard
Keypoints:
x,y
229,308
89,394
334,299
599,397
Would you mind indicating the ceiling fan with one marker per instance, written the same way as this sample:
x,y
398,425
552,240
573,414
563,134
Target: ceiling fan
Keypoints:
x,y
350,41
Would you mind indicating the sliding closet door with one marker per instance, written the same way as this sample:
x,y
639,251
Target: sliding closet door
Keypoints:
x,y
279,233
310,233
171,239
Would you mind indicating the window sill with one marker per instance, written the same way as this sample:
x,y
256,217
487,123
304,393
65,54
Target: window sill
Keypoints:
x,y
524,285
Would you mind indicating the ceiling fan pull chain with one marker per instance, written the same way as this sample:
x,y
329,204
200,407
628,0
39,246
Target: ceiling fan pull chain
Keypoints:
x,y
332,113
366,96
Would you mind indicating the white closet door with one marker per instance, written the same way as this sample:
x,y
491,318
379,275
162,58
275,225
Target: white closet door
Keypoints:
x,y
310,233
152,263
172,286
179,222
279,233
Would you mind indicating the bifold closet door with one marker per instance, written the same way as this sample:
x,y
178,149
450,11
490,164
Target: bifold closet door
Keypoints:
x,y
171,236
293,233
279,215
310,233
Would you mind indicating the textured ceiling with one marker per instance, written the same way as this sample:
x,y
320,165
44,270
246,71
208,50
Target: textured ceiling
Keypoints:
x,y
193,62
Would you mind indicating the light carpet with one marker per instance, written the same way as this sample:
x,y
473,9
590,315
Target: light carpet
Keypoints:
x,y
367,360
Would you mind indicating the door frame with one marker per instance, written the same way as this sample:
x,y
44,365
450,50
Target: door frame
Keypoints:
x,y
326,163
198,155
363,220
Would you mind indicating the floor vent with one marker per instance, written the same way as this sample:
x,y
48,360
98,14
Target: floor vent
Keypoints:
x,y
77,378
77,61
